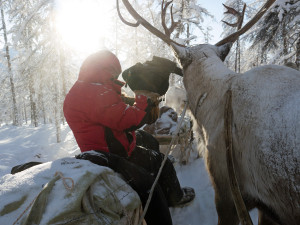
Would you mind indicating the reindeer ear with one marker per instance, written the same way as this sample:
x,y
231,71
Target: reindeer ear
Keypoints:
x,y
224,50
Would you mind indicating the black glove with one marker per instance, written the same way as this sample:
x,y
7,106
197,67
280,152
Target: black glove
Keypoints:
x,y
152,75
95,157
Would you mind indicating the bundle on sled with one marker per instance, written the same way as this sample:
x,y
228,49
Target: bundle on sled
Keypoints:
x,y
67,191
167,122
164,128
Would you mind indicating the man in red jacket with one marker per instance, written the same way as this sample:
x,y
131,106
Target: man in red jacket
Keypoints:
x,y
103,122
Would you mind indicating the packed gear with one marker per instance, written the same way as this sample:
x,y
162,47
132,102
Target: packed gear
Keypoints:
x,y
67,191
139,179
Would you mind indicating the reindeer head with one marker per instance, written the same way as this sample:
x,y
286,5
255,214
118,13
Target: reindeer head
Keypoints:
x,y
187,54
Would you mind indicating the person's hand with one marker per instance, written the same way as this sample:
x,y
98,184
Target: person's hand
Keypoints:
x,y
153,104
128,100
150,95
153,111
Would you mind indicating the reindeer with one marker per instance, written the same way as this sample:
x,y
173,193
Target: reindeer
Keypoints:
x,y
251,127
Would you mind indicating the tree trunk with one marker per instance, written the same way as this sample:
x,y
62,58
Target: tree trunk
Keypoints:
x,y
188,34
57,124
238,44
136,45
25,112
285,43
62,72
239,57
237,65
263,57
44,111
298,53
34,118
57,113
64,88
41,103
117,36
31,79
12,85
179,28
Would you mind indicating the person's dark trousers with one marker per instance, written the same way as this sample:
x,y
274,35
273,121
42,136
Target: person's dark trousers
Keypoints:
x,y
146,140
140,180
151,161
25,166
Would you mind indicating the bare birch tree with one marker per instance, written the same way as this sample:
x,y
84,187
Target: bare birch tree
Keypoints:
x,y
9,68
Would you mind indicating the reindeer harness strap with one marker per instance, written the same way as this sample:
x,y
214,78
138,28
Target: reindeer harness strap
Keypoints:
x,y
235,190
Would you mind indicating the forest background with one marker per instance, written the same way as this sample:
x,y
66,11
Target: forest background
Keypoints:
x,y
43,43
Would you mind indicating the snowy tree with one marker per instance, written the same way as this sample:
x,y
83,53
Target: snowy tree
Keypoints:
x,y
9,68
42,62
278,33
207,35
137,44
298,53
28,18
191,16
231,25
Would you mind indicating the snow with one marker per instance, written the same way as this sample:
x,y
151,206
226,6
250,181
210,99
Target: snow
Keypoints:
x,y
23,144
175,98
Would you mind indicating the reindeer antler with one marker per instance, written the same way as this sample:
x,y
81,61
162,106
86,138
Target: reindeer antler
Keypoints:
x,y
233,37
168,31
123,20
240,16
140,20
166,36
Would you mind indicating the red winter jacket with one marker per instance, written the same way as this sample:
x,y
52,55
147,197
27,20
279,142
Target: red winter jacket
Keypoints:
x,y
98,117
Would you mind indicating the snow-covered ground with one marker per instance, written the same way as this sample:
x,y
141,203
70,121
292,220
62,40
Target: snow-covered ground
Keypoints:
x,y
23,144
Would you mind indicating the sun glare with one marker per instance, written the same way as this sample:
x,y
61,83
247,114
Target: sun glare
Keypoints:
x,y
82,24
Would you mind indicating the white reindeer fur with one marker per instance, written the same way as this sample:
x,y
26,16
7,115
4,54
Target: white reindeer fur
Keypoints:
x,y
266,131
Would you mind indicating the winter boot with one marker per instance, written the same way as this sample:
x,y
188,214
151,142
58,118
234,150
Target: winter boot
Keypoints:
x,y
188,197
172,158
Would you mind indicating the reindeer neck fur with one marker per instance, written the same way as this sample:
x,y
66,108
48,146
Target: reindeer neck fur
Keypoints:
x,y
206,75
206,80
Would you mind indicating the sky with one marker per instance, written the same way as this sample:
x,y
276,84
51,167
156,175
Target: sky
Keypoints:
x,y
81,23
216,8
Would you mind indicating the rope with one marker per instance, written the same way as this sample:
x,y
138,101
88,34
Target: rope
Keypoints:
x,y
100,209
64,180
174,136
25,210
